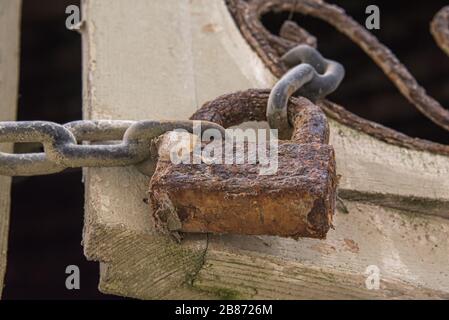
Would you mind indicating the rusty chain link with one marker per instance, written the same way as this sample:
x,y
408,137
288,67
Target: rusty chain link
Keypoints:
x,y
62,149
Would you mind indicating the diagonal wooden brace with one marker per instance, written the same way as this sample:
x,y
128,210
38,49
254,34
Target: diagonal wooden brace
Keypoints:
x,y
297,201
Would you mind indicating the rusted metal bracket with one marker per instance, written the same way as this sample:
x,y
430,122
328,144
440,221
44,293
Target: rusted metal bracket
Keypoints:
x,y
297,201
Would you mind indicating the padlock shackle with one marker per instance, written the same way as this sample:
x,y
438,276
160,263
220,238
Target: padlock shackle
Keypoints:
x,y
308,120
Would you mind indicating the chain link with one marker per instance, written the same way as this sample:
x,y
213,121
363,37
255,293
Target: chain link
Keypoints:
x,y
311,76
62,149
122,143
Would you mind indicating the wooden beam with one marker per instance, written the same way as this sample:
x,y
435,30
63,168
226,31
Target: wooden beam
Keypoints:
x,y
9,75
399,178
409,249
136,66
161,81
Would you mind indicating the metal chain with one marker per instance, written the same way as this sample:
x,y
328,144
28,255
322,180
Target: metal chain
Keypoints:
x,y
62,148
311,76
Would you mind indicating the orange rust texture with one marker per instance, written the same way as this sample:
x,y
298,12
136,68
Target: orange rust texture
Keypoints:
x,y
298,201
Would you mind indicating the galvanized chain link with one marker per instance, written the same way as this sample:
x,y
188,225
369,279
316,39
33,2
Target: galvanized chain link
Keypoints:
x,y
312,76
62,149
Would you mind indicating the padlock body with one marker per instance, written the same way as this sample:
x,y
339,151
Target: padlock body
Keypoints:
x,y
297,201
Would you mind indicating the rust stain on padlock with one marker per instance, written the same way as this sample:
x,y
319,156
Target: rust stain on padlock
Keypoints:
x,y
297,201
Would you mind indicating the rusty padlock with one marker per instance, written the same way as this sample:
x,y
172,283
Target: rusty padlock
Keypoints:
x,y
297,201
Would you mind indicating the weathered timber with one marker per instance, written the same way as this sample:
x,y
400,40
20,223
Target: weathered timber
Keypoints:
x,y
9,75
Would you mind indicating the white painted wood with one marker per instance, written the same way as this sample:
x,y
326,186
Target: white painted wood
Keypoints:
x,y
411,251
377,172
163,59
9,75
148,72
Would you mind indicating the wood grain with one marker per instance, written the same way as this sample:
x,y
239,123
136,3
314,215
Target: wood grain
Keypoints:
x,y
410,250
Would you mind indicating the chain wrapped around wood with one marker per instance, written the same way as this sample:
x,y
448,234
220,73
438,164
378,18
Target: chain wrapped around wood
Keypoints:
x,y
297,201
270,49
133,140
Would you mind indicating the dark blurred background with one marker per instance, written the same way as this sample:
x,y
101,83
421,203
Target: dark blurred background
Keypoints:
x,y
47,211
